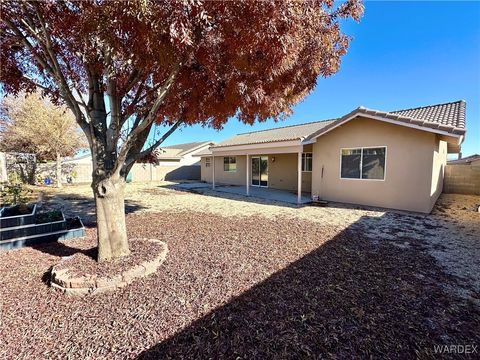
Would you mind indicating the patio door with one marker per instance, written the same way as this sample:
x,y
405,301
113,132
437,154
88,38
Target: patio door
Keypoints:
x,y
260,171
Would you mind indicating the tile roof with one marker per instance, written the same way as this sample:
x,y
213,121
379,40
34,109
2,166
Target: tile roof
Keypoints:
x,y
452,113
285,133
178,150
448,117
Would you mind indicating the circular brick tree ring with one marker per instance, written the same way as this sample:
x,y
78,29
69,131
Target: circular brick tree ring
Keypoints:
x,y
61,280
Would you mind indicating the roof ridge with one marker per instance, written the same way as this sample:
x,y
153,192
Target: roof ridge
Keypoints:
x,y
175,146
428,106
286,126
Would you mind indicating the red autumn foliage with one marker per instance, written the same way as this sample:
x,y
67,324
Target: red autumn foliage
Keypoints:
x,y
247,58
170,62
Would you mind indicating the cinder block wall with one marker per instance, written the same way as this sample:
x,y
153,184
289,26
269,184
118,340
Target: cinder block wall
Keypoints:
x,y
462,179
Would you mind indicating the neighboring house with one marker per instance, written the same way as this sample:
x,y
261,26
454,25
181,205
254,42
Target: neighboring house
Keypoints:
x,y
175,162
473,160
388,159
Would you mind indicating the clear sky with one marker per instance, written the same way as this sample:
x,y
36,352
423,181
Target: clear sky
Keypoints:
x,y
403,54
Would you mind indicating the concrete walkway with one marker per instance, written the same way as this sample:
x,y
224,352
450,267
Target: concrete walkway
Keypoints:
x,y
255,192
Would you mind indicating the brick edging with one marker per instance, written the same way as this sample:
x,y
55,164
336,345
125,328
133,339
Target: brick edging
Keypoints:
x,y
60,280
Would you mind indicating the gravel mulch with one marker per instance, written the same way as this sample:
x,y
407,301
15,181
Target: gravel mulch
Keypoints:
x,y
241,287
84,263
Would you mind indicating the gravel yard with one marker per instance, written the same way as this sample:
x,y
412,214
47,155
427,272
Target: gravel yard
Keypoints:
x,y
256,279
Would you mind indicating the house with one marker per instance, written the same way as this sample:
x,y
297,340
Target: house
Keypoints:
x,y
390,159
175,162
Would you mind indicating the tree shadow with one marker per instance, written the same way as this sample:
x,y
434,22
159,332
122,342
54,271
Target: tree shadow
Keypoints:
x,y
73,204
351,297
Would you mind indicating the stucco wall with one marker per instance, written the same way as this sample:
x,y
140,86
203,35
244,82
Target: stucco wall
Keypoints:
x,y
149,172
282,173
408,169
438,170
225,177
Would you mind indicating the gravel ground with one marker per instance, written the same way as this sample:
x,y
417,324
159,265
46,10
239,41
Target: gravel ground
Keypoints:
x,y
256,280
450,233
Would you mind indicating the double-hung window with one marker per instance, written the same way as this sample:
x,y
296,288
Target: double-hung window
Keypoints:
x,y
208,161
230,163
307,162
367,163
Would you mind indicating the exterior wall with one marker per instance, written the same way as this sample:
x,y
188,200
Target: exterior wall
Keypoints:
x,y
438,170
282,173
225,177
408,168
462,179
206,172
151,172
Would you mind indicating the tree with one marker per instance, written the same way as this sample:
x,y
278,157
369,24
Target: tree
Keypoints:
x,y
36,125
172,63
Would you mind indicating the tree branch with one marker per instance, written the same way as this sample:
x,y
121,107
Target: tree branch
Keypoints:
x,y
147,121
155,145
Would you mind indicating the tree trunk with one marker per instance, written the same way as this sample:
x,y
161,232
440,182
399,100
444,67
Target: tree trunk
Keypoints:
x,y
59,170
110,208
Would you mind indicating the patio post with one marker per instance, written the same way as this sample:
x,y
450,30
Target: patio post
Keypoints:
x,y
247,183
299,184
213,172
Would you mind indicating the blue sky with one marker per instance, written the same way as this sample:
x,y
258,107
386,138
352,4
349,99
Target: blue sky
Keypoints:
x,y
403,54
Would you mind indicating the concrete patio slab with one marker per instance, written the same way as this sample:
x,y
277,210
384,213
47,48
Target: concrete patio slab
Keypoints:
x,y
255,192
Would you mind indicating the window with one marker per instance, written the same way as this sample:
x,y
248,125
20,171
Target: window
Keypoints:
x,y
307,162
363,163
208,161
230,163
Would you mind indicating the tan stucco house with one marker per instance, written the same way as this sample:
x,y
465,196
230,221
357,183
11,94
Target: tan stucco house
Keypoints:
x,y
390,159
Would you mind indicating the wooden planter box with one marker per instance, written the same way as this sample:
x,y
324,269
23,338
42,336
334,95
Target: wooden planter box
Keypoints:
x,y
17,220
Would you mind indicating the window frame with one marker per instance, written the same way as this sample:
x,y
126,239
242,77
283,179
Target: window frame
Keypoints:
x,y
361,162
229,163
208,161
304,159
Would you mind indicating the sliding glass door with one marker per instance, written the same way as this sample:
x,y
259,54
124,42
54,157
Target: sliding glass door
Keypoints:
x,y
260,171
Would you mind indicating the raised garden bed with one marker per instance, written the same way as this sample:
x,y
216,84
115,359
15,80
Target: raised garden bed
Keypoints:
x,y
17,215
39,228
80,274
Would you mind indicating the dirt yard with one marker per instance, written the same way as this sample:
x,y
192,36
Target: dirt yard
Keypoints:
x,y
249,278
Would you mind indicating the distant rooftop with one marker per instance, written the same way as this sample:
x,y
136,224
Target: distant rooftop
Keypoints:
x,y
466,160
178,150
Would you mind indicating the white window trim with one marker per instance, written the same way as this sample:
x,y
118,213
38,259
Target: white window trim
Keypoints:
x,y
307,171
361,162
229,171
